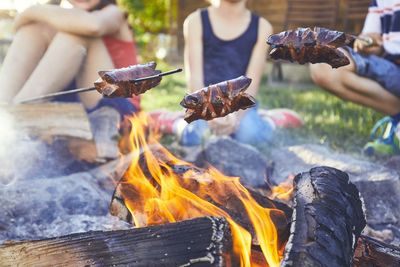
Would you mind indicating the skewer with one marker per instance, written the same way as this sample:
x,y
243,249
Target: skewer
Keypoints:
x,y
87,89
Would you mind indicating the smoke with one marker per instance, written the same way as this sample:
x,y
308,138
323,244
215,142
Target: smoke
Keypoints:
x,y
18,153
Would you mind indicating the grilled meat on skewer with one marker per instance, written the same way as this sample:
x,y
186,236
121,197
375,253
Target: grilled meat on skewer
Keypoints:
x,y
218,100
120,82
305,45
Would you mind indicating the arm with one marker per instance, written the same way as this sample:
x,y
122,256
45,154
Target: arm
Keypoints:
x,y
74,20
193,52
258,57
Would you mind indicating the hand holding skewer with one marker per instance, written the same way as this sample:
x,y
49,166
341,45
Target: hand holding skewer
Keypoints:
x,y
370,44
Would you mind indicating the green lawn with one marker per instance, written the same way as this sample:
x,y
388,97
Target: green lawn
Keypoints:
x,y
328,120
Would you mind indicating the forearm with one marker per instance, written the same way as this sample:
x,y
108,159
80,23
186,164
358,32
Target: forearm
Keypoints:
x,y
256,67
193,53
74,20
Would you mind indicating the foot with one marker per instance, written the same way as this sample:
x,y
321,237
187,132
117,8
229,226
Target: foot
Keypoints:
x,y
164,120
282,117
384,139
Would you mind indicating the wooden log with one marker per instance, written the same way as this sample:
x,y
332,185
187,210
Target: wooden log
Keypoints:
x,y
373,253
327,220
50,119
105,125
200,242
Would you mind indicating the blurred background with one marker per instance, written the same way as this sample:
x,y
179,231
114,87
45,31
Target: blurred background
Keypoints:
x,y
157,27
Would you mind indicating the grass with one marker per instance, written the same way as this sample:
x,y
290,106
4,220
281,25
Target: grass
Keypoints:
x,y
328,120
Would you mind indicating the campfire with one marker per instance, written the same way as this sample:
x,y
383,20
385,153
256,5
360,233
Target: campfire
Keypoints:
x,y
184,215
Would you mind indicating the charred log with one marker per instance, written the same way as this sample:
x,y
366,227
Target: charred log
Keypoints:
x,y
373,253
327,220
202,242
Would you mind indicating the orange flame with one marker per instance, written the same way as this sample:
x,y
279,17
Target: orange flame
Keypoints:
x,y
284,191
160,195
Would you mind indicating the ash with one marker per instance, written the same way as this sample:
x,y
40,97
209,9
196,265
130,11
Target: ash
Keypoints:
x,y
49,207
45,193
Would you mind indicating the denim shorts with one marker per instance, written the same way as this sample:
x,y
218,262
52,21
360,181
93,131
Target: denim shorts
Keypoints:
x,y
379,69
252,130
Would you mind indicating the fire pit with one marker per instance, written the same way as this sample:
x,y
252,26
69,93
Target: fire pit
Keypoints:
x,y
190,216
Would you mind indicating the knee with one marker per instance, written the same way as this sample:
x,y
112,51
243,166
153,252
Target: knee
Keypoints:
x,y
78,44
321,75
38,29
253,129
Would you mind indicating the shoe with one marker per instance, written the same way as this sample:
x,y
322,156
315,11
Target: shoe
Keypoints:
x,y
282,117
384,140
164,120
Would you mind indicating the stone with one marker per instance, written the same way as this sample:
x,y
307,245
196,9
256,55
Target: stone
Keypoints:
x,y
236,159
48,207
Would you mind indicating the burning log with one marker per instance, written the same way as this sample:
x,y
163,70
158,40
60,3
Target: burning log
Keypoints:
x,y
204,241
373,253
193,179
327,220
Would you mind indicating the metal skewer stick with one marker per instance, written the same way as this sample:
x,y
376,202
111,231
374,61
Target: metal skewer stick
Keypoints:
x,y
87,89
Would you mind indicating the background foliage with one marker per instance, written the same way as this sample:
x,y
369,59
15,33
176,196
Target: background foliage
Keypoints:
x,y
148,18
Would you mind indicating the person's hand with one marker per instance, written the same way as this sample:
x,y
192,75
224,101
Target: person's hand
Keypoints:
x,y
226,125
370,44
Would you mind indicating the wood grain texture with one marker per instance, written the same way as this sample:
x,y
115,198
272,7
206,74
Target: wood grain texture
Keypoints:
x,y
327,220
200,242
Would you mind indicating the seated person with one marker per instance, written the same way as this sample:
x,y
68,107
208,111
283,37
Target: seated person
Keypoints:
x,y
222,42
57,48
373,77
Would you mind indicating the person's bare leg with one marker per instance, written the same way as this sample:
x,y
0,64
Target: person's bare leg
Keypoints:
x,y
57,68
346,84
26,50
97,59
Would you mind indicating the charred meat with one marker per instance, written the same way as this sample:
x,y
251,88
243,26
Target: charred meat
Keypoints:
x,y
121,82
218,100
305,45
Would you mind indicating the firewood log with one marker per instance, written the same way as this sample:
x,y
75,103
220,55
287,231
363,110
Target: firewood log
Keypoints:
x,y
200,242
373,253
327,220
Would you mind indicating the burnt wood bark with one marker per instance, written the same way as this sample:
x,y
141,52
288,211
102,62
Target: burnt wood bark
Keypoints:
x,y
373,253
327,220
200,242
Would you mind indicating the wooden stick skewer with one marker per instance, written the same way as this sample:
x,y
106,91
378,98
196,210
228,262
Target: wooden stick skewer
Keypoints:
x,y
87,89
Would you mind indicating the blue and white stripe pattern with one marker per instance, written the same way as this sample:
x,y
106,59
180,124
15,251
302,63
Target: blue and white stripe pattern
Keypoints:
x,y
384,17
